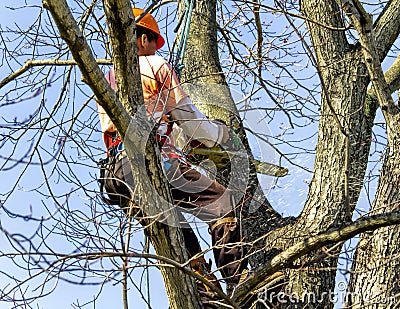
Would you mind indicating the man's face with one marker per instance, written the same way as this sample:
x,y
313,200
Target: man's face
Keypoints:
x,y
146,47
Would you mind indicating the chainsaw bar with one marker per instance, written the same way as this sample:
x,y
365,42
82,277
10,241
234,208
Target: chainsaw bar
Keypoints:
x,y
222,157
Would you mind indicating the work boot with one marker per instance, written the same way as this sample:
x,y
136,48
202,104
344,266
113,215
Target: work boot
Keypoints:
x,y
202,268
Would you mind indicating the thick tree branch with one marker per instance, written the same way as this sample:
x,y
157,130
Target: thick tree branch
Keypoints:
x,y
152,192
335,41
392,77
298,250
363,24
387,28
121,25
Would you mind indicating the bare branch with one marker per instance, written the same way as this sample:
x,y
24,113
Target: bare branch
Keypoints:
x,y
288,256
392,75
53,62
362,21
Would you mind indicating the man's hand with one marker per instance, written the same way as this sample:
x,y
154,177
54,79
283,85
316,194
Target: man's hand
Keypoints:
x,y
230,140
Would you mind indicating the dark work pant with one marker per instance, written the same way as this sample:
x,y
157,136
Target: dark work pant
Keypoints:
x,y
209,201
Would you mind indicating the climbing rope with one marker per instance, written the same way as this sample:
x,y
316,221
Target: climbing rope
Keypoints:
x,y
183,28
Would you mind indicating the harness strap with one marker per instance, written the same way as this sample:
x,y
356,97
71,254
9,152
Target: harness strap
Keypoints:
x,y
113,139
162,139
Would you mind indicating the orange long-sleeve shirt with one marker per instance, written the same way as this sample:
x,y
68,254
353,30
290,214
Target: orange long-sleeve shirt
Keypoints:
x,y
163,95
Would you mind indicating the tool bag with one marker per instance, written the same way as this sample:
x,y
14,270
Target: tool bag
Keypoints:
x,y
116,178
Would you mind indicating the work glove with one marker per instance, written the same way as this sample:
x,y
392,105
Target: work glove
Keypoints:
x,y
231,140
223,135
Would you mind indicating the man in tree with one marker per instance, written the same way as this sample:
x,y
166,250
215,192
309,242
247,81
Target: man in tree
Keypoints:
x,y
167,103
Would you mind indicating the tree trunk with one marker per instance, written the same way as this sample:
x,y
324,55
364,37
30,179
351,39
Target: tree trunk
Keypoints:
x,y
375,277
341,153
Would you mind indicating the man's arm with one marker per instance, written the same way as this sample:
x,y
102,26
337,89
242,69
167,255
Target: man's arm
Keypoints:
x,y
197,126
193,123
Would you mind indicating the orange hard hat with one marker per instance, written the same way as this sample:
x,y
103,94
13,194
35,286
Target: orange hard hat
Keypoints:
x,y
150,23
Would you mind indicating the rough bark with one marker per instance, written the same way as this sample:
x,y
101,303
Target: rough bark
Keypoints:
x,y
302,248
375,273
